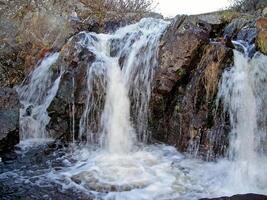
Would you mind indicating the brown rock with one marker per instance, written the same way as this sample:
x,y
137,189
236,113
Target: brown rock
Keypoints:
x,y
261,40
186,117
180,47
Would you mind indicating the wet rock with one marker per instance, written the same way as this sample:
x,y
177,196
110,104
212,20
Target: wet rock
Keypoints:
x,y
90,182
247,34
186,117
216,21
242,197
75,59
179,49
261,40
237,24
9,119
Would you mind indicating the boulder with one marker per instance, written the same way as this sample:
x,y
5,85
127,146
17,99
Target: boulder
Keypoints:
x,y
9,119
186,116
66,109
179,49
261,40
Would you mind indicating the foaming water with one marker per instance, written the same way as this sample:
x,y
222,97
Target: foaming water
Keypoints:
x,y
123,69
244,94
151,172
36,95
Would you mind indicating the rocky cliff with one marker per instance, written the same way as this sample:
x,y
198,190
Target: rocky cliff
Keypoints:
x,y
193,53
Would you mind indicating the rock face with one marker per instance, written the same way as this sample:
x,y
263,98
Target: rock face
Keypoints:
x,y
183,105
9,119
180,47
70,100
190,120
261,40
193,54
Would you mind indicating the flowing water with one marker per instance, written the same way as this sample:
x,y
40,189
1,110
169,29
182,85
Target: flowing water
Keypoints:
x,y
244,94
116,162
36,95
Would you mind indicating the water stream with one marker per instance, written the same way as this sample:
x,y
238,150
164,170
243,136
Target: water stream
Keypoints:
x,y
116,163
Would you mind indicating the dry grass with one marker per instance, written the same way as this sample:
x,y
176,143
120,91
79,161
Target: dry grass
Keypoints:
x,y
118,6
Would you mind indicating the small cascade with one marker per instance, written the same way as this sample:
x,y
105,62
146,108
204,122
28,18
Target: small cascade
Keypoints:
x,y
123,69
36,94
244,94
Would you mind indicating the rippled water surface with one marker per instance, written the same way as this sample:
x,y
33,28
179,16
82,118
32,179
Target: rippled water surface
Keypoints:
x,y
151,172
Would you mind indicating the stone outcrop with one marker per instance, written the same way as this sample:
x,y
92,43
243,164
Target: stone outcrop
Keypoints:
x,y
75,60
193,53
180,47
31,29
261,40
187,117
9,119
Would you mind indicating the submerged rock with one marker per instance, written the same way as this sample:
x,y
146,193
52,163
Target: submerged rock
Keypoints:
x,y
9,119
242,197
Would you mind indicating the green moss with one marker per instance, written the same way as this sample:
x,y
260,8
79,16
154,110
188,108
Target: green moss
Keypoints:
x,y
181,72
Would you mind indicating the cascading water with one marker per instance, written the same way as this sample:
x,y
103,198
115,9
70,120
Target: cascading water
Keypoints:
x,y
115,119
244,94
35,96
124,68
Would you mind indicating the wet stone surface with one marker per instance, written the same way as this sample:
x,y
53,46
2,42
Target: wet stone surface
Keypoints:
x,y
22,175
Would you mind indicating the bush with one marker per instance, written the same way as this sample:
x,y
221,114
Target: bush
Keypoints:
x,y
119,6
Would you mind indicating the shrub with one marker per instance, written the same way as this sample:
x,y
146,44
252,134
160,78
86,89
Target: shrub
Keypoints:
x,y
118,6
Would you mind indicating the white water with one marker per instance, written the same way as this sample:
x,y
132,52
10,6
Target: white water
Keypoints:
x,y
123,68
36,95
244,95
116,116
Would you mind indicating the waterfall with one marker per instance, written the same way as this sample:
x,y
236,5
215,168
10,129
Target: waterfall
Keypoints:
x,y
244,94
36,94
123,69
115,163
